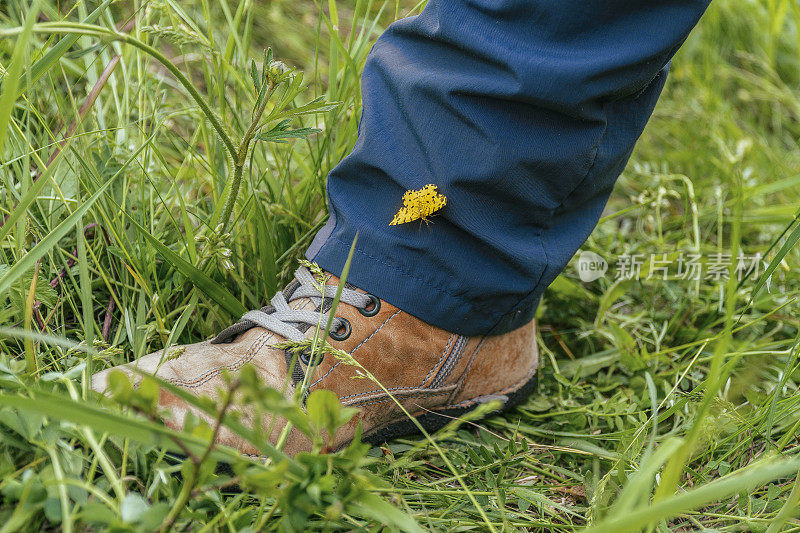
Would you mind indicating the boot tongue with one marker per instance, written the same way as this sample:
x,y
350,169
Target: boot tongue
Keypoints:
x,y
308,303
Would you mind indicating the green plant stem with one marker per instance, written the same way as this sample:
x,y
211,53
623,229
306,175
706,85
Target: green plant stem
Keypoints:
x,y
30,347
197,463
66,518
266,517
230,201
717,372
239,161
99,31
789,509
180,503
236,156
99,453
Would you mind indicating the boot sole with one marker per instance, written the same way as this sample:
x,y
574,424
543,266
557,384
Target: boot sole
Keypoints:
x,y
435,420
432,421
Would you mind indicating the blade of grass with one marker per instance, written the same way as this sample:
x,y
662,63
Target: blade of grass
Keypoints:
x,y
372,506
54,54
99,31
105,421
30,347
717,490
38,251
33,192
214,290
790,242
8,91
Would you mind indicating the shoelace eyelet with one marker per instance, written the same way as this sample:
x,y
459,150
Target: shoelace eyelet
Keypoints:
x,y
305,358
342,332
372,308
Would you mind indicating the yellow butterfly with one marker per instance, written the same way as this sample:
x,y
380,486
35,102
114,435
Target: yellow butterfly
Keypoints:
x,y
419,205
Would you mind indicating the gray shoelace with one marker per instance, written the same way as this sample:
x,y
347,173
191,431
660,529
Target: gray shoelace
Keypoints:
x,y
292,324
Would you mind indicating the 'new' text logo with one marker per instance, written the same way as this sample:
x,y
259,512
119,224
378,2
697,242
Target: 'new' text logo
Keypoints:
x,y
591,266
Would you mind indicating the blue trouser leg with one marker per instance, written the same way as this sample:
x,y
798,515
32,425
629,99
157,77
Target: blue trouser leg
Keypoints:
x,y
523,113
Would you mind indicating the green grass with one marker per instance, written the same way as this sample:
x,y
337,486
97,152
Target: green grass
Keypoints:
x,y
662,404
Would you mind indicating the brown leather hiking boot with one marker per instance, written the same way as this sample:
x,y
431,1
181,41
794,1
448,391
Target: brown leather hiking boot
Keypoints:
x,y
435,374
